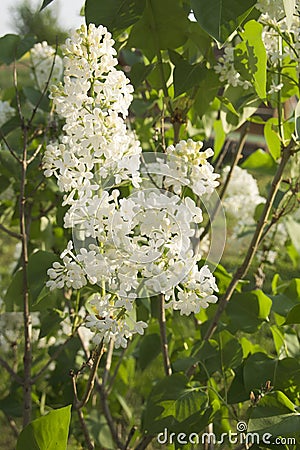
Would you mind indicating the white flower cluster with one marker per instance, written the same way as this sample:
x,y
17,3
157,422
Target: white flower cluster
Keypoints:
x,y
242,197
188,166
93,100
123,245
45,64
227,71
6,112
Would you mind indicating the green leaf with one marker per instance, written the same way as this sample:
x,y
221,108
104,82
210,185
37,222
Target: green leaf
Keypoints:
x,y
36,98
50,322
139,73
149,349
209,357
154,77
49,432
258,369
244,102
13,47
246,311
272,138
114,14
38,265
231,352
163,25
208,89
237,392
12,403
254,56
186,75
9,126
297,121
174,404
260,162
13,298
220,18
293,315
286,300
274,414
219,138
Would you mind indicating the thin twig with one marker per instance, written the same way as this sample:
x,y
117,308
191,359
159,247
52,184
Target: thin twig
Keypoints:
x,y
79,404
130,436
114,375
243,269
107,415
222,155
88,440
27,358
34,155
19,109
10,149
91,381
12,425
145,441
163,336
45,88
108,362
100,386
11,372
8,231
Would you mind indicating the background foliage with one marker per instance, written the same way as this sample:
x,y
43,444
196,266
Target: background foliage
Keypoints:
x,y
230,363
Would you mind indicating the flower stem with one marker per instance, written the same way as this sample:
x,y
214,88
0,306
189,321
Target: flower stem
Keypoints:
x,y
163,336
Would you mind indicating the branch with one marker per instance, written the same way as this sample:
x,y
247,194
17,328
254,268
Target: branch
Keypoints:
x,y
91,381
27,358
88,440
11,233
243,269
108,362
12,425
107,414
144,442
163,336
34,155
11,372
45,88
10,149
19,109
104,396
130,436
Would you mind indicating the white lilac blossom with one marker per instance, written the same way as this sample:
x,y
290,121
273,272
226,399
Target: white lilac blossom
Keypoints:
x,y
6,112
242,197
187,165
122,245
93,99
46,65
